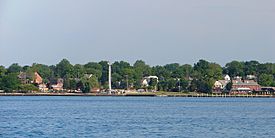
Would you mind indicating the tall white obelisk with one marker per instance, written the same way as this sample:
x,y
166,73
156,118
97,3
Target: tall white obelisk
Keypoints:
x,y
110,78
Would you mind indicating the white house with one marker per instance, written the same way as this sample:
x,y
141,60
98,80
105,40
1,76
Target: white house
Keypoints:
x,y
220,85
146,80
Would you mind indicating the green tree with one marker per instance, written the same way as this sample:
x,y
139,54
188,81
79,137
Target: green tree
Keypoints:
x,y
267,68
10,82
205,74
141,70
64,68
250,67
161,72
116,80
172,67
201,65
27,87
93,68
2,71
104,76
184,85
187,70
87,84
266,79
78,70
200,85
234,68
214,71
228,87
14,68
163,85
45,71
153,84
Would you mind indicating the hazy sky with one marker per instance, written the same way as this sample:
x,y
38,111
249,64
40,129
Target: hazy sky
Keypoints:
x,y
156,31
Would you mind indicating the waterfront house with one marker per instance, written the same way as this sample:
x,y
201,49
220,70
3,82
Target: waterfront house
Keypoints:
x,y
27,78
146,80
43,87
240,86
24,77
220,85
58,86
37,78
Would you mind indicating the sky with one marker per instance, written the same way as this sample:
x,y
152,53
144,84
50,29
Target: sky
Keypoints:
x,y
156,31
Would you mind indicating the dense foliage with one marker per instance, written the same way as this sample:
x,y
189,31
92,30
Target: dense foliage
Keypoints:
x,y
172,77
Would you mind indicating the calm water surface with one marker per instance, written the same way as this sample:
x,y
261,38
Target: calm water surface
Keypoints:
x,y
136,117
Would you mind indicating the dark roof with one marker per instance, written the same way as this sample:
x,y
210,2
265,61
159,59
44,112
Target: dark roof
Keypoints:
x,y
22,75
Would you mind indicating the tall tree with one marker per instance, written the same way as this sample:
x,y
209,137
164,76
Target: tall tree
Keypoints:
x,y
10,82
2,71
205,74
141,70
266,79
64,68
88,83
93,68
104,76
14,68
172,67
161,72
79,71
234,68
250,67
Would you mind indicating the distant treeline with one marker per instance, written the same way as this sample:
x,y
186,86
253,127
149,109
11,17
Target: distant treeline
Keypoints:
x,y
172,77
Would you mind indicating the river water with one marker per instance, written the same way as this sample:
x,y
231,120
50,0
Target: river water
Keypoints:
x,y
136,117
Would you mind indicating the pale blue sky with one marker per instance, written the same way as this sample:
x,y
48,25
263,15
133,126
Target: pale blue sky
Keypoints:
x,y
156,31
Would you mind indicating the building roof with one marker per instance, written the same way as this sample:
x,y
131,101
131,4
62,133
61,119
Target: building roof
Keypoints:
x,y
22,75
151,77
268,88
244,82
223,82
37,78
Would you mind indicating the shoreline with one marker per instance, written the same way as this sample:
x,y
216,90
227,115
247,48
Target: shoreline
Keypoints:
x,y
138,95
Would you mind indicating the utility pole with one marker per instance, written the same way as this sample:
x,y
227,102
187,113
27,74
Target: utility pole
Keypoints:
x,y
110,78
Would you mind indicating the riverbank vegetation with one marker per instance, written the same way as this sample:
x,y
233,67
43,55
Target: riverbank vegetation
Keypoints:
x,y
174,77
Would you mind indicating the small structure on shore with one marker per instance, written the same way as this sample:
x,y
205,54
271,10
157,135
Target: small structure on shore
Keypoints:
x,y
267,90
